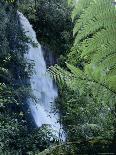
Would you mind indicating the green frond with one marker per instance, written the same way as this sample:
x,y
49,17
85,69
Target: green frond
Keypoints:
x,y
76,71
98,75
91,15
102,43
91,65
95,39
69,2
59,74
80,7
112,72
111,81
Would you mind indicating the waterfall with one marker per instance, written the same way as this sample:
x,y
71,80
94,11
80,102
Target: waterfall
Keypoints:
x,y
41,83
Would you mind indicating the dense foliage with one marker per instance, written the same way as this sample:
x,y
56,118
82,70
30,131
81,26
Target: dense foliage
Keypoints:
x,y
17,129
52,22
87,82
88,111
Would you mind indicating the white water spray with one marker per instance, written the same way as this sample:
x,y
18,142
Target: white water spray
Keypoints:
x,y
41,83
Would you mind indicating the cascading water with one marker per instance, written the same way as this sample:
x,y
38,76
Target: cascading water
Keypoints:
x,y
41,83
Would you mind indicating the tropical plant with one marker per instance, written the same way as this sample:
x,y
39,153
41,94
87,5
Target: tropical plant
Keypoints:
x,y
92,68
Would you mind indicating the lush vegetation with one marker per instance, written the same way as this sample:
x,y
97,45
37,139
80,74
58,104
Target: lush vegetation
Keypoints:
x,y
87,81
87,99
52,22
18,132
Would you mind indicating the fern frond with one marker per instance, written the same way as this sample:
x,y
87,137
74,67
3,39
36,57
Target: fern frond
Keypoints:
x,y
76,71
91,15
101,46
80,7
69,2
95,40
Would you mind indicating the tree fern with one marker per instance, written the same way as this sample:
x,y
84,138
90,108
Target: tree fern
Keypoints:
x,y
95,47
79,8
95,39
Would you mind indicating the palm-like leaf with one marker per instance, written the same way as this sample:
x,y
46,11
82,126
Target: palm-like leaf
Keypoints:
x,y
95,45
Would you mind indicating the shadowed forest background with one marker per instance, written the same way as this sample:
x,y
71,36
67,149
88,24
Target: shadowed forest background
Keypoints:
x,y
79,43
